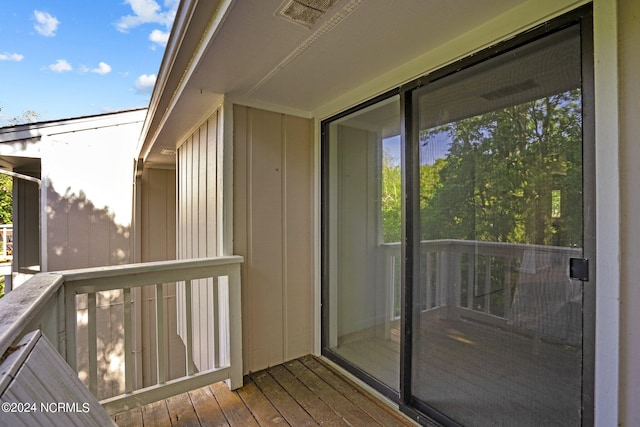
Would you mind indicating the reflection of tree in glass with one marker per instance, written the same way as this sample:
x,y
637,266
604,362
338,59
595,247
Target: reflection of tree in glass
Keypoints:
x,y
511,175
498,180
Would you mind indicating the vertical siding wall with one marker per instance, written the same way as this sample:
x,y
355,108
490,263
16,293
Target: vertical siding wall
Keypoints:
x,y
197,225
158,243
273,196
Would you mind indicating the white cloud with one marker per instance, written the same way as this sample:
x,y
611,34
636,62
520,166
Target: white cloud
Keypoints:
x,y
14,57
145,83
102,69
60,66
147,12
46,24
159,37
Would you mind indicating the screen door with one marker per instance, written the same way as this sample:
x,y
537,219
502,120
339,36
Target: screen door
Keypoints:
x,y
496,316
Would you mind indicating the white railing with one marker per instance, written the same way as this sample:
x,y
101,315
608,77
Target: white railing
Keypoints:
x,y
49,302
505,284
6,236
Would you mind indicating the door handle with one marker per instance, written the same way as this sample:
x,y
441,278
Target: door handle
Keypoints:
x,y
579,269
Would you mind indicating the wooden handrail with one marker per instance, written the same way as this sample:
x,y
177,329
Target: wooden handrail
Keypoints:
x,y
22,307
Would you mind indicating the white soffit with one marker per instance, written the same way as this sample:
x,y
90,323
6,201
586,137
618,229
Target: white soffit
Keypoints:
x,y
258,55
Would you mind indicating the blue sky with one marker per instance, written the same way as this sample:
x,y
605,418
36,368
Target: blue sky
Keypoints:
x,y
69,58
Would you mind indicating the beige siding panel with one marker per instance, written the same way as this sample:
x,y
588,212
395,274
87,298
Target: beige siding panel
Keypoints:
x,y
159,215
265,239
197,224
272,230
298,217
158,244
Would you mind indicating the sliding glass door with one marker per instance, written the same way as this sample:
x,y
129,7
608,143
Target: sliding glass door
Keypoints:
x,y
455,270
362,206
497,319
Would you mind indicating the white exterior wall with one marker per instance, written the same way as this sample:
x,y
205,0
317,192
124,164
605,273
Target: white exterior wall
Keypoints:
x,y
86,205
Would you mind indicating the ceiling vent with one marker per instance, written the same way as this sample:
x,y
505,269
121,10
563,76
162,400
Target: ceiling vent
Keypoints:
x,y
305,12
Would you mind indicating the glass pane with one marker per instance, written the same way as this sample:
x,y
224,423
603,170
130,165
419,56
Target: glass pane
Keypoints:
x,y
498,321
363,208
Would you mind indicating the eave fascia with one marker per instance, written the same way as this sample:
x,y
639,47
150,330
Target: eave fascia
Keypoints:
x,y
37,130
172,81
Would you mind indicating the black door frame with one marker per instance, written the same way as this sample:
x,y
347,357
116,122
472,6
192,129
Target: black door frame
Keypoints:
x,y
582,16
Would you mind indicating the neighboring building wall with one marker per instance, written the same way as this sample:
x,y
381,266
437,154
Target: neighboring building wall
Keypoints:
x,y
158,243
273,223
198,171
86,207
87,180
629,103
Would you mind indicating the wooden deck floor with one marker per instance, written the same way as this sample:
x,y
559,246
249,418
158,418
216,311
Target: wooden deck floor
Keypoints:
x,y
302,392
481,375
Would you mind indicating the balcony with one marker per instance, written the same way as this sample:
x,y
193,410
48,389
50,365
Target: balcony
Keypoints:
x,y
495,326
306,391
464,285
53,321
55,316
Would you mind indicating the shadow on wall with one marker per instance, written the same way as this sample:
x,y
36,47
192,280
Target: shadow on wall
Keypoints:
x,y
81,235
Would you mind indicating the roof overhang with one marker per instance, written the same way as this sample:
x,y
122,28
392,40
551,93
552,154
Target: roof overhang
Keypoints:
x,y
20,144
247,52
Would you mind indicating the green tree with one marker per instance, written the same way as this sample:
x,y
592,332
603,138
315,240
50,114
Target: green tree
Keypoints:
x,y
391,198
502,171
6,198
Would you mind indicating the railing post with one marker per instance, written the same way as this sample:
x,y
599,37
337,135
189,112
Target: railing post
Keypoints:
x,y
188,339
128,338
160,331
235,328
70,326
455,287
92,320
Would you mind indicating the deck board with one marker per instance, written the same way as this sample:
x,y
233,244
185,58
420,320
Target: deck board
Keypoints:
x,y
344,408
369,406
291,411
306,398
303,392
156,414
480,374
209,415
261,408
181,411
